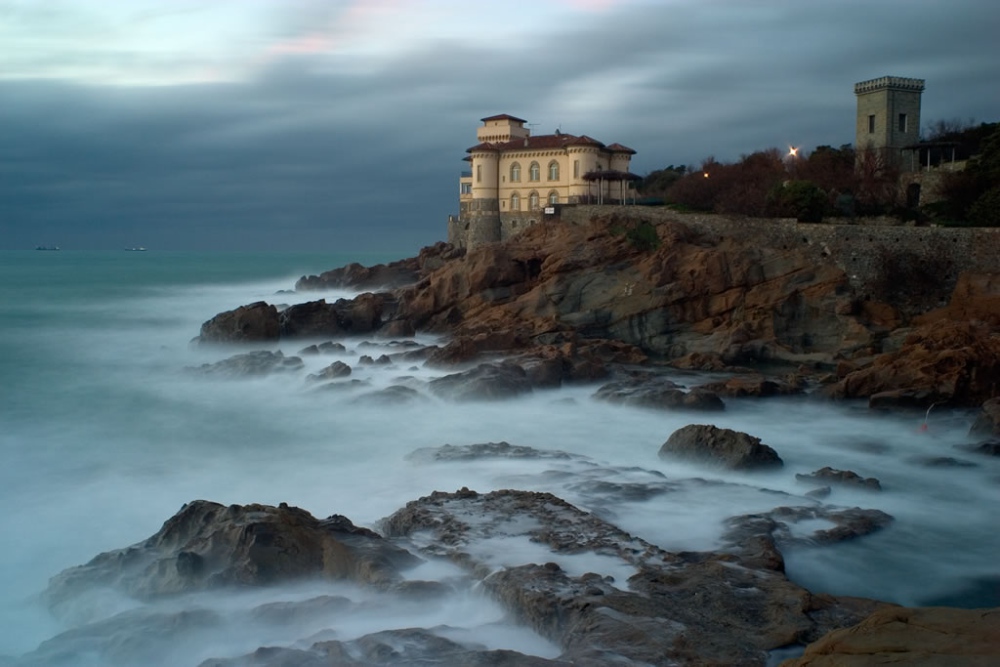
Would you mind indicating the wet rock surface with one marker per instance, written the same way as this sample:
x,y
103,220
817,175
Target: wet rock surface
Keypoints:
x,y
846,478
207,545
484,382
411,647
705,443
642,605
651,391
255,322
261,362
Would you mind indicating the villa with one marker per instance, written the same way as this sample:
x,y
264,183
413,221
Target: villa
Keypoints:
x,y
516,178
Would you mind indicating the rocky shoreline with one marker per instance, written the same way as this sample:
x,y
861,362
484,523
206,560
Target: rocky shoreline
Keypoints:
x,y
579,305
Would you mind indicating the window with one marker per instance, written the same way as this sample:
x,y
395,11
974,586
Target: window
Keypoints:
x,y
479,173
553,171
871,124
466,188
515,173
553,197
902,122
576,169
534,173
533,201
515,202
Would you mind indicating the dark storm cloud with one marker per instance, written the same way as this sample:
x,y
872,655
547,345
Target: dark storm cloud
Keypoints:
x,y
312,153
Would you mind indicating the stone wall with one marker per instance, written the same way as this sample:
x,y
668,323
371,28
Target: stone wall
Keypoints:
x,y
869,254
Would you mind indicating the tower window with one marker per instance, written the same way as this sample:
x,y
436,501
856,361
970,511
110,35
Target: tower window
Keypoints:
x,y
479,173
902,122
871,124
576,169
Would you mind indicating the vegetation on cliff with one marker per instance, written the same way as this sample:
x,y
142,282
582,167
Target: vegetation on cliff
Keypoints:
x,y
839,182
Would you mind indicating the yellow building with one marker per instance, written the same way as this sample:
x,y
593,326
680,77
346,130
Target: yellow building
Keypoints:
x,y
516,178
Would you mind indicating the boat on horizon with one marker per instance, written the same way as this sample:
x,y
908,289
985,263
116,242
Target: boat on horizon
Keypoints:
x,y
136,249
46,247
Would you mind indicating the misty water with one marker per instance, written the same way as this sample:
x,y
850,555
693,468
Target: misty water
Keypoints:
x,y
105,436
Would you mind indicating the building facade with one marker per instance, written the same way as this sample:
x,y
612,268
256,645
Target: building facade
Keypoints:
x,y
514,178
888,118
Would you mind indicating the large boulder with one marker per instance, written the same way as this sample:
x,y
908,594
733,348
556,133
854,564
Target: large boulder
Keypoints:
x,y
928,636
207,545
255,322
719,446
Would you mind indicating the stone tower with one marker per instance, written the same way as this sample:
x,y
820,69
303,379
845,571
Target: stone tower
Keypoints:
x,y
888,116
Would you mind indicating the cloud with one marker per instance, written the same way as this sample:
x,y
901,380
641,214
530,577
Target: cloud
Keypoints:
x,y
308,125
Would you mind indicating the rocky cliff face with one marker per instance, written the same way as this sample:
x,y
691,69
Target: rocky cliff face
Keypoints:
x,y
697,301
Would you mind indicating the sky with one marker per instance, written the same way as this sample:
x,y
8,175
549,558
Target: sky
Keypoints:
x,y
340,125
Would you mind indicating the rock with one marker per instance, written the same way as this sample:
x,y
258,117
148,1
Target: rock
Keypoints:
x,y
755,386
720,446
207,545
659,393
393,395
950,363
987,422
989,448
261,362
313,319
256,322
410,647
943,462
484,382
383,276
828,475
910,636
677,609
488,450
337,369
329,347
134,637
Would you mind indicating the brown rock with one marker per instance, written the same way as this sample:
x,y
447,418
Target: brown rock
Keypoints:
x,y
720,446
828,475
925,636
255,322
954,363
755,386
207,545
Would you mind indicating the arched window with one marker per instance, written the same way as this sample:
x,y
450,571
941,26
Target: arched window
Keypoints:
x,y
534,173
515,202
533,201
553,171
553,197
515,173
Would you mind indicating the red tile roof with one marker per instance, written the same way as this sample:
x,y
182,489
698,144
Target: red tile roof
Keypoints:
x,y
544,141
503,116
618,148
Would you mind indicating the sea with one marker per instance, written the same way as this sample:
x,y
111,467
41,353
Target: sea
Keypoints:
x,y
107,431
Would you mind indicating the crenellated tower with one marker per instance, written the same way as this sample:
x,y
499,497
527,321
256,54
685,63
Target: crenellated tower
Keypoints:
x,y
888,118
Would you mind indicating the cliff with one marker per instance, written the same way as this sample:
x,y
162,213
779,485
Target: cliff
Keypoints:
x,y
689,296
